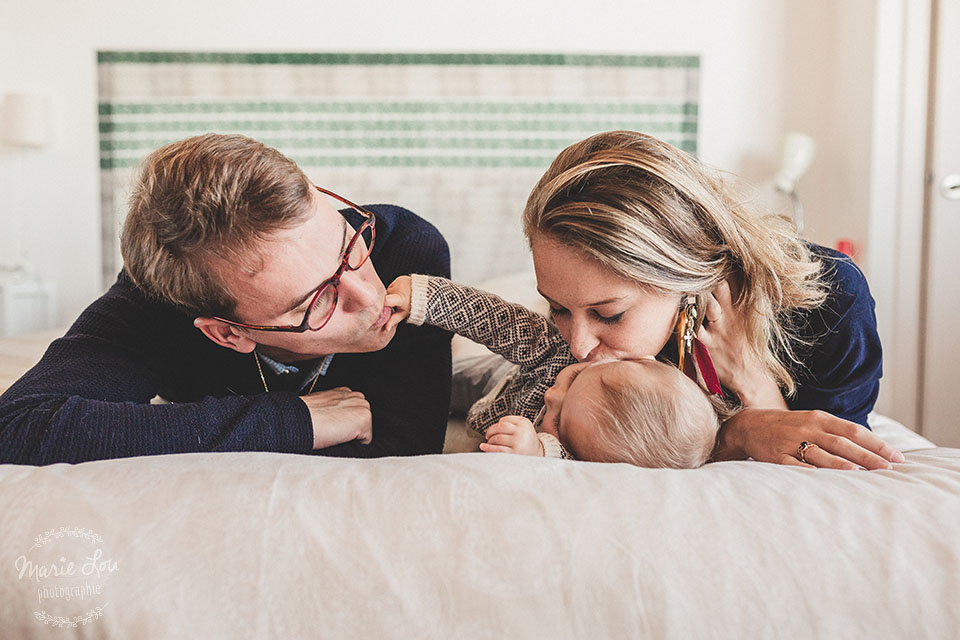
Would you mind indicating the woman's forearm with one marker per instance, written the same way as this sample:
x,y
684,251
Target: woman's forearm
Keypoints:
x,y
730,440
760,392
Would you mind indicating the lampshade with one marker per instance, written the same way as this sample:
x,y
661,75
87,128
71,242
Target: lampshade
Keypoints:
x,y
796,157
25,120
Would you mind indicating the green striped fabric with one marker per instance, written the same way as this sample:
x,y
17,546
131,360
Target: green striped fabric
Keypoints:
x,y
398,134
457,59
454,124
387,107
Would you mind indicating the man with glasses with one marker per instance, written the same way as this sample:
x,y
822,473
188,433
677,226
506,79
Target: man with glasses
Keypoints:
x,y
253,302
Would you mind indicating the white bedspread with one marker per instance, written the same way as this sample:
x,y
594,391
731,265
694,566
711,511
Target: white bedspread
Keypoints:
x,y
260,545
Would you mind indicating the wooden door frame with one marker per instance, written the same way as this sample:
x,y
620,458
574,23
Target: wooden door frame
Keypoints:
x,y
898,199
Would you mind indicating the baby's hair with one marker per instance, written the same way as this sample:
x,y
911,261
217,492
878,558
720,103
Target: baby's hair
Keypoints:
x,y
655,425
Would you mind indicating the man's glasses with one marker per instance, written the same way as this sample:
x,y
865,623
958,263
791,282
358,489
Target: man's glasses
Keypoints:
x,y
324,300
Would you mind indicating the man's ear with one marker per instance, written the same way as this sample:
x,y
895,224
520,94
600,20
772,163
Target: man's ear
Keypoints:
x,y
224,334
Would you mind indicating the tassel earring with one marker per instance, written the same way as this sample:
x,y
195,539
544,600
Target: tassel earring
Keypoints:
x,y
693,354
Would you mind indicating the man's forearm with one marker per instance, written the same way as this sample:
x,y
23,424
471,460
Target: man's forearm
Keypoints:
x,y
74,429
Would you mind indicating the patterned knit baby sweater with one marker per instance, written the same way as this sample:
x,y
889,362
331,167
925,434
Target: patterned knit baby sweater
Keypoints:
x,y
521,336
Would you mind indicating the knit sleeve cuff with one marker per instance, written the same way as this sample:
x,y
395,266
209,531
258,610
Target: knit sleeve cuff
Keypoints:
x,y
418,299
296,434
552,447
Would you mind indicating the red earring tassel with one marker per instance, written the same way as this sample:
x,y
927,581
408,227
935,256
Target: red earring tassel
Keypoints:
x,y
689,344
709,374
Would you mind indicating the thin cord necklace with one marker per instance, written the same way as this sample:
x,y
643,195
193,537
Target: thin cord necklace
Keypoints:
x,y
256,357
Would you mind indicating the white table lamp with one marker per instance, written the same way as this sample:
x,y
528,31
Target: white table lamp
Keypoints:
x,y
25,120
27,302
796,156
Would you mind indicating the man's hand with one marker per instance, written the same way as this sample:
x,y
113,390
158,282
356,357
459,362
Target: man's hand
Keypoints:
x,y
398,297
339,415
513,434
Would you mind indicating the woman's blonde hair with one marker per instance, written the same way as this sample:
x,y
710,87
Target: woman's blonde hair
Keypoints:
x,y
201,204
653,214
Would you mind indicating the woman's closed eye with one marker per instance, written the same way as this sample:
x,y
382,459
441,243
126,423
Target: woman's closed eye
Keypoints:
x,y
615,318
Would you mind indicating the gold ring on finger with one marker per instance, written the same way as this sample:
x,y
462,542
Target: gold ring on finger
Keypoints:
x,y
802,450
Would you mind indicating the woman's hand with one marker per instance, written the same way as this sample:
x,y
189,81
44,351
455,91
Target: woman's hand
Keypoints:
x,y
724,334
765,430
398,296
770,435
513,434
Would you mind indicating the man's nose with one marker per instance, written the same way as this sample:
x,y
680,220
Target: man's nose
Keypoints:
x,y
357,291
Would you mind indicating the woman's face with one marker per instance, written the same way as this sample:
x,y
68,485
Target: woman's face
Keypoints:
x,y
600,314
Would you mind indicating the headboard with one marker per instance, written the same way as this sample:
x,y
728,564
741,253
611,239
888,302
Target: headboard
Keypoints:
x,y
458,138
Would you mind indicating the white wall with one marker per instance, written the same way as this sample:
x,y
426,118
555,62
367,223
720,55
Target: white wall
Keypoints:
x,y
829,51
768,66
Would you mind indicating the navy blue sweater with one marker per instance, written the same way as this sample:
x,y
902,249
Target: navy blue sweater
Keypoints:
x,y
844,364
89,396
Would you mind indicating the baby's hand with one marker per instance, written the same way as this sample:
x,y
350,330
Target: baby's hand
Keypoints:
x,y
513,434
398,297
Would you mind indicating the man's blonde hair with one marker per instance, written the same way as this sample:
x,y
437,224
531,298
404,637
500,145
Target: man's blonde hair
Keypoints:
x,y
201,205
656,425
653,214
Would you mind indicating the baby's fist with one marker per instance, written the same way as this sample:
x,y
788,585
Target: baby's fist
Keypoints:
x,y
398,297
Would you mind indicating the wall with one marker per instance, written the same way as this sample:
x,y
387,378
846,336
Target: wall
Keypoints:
x,y
768,66
828,56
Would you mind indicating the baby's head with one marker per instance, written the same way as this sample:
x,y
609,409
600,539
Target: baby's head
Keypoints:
x,y
642,412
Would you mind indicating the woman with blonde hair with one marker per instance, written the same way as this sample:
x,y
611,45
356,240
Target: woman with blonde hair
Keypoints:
x,y
641,251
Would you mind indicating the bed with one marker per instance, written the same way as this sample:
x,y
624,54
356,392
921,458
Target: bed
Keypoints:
x,y
473,545
476,545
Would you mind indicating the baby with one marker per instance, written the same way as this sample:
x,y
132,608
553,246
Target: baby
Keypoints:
x,y
642,412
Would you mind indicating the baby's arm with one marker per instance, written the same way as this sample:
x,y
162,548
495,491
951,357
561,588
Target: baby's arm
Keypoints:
x,y
513,434
515,332
518,334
